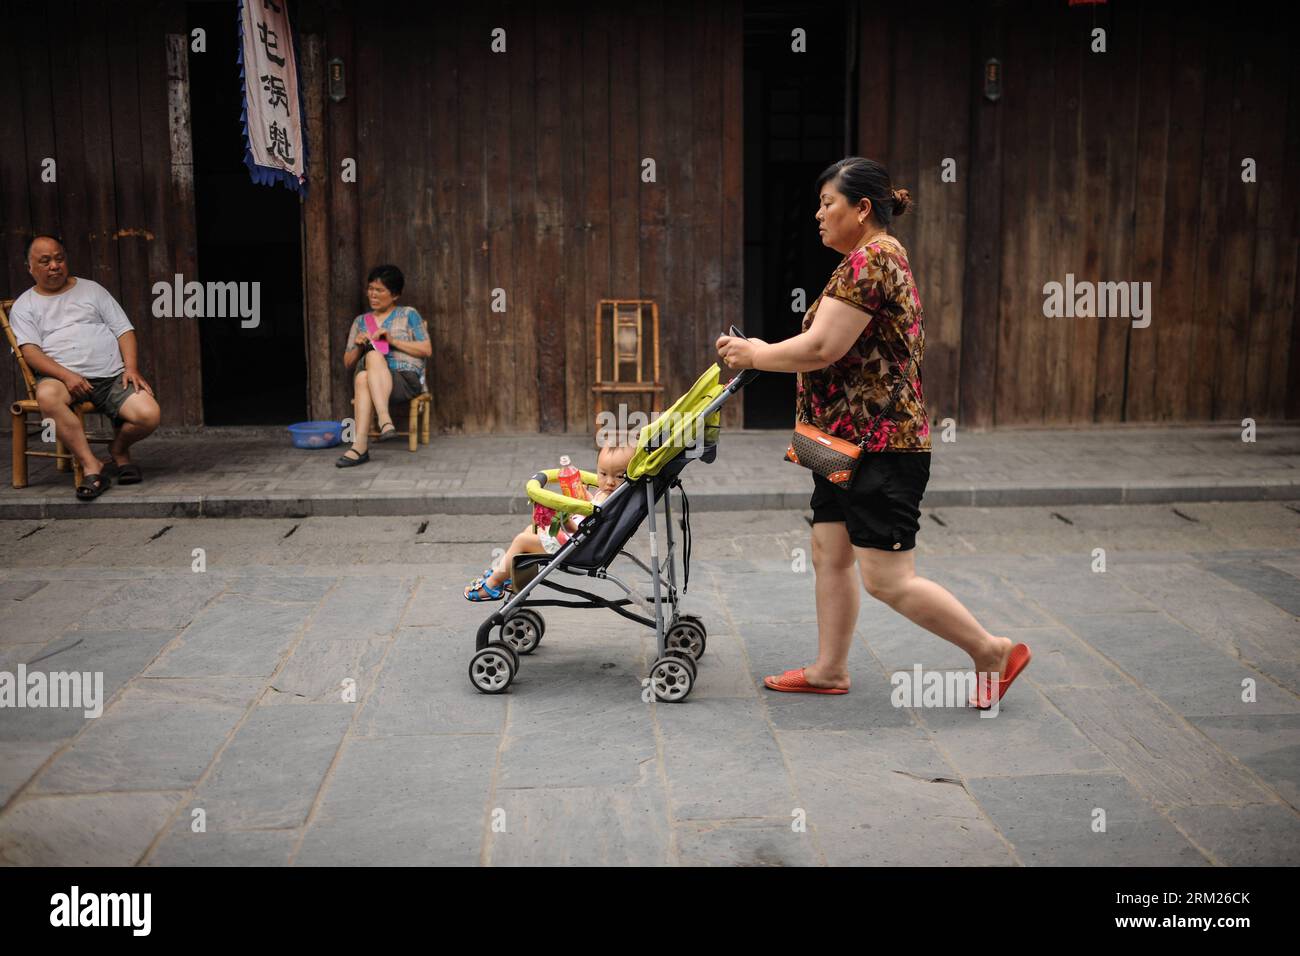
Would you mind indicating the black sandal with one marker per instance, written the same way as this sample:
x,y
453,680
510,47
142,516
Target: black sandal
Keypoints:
x,y
385,434
92,486
128,474
345,462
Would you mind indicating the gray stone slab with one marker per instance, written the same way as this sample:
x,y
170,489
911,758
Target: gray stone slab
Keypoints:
x,y
235,636
18,591
722,761
183,847
112,829
360,608
159,735
1068,586
1060,659
1268,744
18,762
423,688
1165,759
328,672
1027,736
584,826
587,746
1244,836
1049,820
1178,666
1236,621
161,602
744,843
887,800
269,774
280,588
1269,583
117,655
48,614
404,801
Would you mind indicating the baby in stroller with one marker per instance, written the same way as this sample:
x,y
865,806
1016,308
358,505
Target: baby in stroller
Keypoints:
x,y
611,468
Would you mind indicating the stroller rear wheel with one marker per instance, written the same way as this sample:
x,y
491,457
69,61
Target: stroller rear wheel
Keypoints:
x,y
672,677
688,635
492,669
523,630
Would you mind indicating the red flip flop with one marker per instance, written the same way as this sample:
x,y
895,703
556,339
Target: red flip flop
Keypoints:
x,y
794,682
1017,661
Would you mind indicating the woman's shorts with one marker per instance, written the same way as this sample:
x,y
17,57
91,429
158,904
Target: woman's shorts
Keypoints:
x,y
882,508
406,384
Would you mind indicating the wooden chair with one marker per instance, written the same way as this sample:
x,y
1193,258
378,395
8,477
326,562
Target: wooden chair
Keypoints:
x,y
419,417
624,333
20,409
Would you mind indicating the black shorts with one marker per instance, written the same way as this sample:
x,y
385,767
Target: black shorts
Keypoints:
x,y
406,384
882,508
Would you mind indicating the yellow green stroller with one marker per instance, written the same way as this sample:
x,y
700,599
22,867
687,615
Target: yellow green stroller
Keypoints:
x,y
687,430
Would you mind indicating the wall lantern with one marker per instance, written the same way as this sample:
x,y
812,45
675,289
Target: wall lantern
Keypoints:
x,y
337,86
992,79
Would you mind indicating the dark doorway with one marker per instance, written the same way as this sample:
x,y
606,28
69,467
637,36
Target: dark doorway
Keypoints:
x,y
795,126
246,233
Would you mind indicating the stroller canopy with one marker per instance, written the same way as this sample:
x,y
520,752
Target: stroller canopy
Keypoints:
x,y
678,427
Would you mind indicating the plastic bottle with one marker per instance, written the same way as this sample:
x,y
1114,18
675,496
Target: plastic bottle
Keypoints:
x,y
571,484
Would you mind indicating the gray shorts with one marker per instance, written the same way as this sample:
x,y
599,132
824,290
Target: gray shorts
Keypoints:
x,y
108,395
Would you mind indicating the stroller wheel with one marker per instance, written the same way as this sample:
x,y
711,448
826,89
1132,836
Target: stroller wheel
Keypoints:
x,y
696,620
523,630
687,635
672,678
492,669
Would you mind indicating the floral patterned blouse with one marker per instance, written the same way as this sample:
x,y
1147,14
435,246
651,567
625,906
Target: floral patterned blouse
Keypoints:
x,y
846,396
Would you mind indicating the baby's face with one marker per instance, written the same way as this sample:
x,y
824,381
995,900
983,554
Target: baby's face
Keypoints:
x,y
611,463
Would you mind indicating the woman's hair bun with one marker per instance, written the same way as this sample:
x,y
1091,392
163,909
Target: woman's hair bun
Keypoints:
x,y
902,201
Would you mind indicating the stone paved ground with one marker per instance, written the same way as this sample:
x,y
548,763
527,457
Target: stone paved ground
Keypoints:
x,y
257,473
225,695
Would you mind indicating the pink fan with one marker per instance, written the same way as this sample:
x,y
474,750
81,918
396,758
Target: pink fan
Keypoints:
x,y
372,328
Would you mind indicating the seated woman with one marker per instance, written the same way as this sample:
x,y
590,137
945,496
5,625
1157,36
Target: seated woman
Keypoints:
x,y
378,379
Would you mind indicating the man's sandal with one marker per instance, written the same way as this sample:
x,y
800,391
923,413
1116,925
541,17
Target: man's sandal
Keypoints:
x,y
92,486
480,590
128,474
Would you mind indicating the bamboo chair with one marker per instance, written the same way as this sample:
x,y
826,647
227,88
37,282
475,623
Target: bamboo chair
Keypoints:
x,y
24,407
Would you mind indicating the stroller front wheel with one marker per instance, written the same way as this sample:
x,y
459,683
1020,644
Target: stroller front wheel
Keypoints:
x,y
672,677
523,630
687,635
492,669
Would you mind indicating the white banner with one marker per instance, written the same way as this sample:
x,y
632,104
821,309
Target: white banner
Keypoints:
x,y
272,114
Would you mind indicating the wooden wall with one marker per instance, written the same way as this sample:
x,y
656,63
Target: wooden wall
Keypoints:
x,y
94,86
521,171
1122,166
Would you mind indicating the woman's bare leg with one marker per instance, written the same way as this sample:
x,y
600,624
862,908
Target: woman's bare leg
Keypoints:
x,y
381,386
361,410
890,577
837,604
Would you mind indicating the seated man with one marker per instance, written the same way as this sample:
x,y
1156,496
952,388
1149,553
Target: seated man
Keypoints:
x,y
79,343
